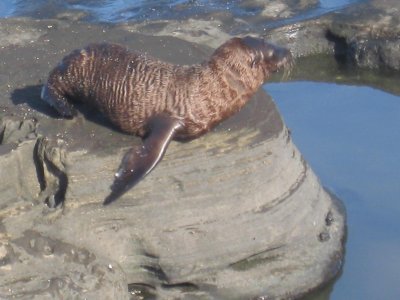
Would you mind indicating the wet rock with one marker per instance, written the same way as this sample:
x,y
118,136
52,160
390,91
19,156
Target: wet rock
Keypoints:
x,y
370,50
364,35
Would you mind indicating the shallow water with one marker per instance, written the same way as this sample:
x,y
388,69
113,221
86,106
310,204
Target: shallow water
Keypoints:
x,y
121,10
350,136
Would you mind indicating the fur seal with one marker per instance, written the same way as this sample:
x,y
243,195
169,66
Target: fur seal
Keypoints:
x,y
159,101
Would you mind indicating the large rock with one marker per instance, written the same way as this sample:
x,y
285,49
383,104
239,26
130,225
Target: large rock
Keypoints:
x,y
235,214
364,35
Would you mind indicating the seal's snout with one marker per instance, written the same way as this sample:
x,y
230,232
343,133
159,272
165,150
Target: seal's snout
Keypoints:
x,y
274,57
277,57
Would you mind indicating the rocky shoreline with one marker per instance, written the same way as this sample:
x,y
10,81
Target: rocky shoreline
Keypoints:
x,y
236,214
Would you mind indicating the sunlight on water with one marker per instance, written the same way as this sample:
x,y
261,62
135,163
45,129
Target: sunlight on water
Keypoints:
x,y
122,10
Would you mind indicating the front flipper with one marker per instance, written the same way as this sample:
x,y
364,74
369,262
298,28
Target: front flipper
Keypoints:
x,y
58,101
140,160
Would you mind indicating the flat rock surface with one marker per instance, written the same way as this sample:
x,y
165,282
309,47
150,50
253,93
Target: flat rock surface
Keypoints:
x,y
236,214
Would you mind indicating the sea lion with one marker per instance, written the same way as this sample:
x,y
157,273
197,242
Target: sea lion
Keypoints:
x,y
159,101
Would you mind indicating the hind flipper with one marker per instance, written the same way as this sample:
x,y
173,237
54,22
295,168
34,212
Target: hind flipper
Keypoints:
x,y
140,160
58,101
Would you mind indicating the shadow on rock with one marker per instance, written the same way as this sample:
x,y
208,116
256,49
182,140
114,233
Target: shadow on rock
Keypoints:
x,y
31,96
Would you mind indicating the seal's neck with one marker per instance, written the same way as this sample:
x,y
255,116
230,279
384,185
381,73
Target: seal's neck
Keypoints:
x,y
223,89
237,75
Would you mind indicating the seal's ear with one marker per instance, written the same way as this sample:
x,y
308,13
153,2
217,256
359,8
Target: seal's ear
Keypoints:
x,y
256,47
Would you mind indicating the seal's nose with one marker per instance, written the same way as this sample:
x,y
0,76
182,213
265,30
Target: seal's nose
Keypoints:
x,y
276,53
277,56
282,53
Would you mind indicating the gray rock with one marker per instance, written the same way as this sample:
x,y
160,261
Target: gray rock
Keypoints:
x,y
235,214
364,35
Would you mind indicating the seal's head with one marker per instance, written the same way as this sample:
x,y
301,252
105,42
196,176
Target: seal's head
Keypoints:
x,y
270,57
255,55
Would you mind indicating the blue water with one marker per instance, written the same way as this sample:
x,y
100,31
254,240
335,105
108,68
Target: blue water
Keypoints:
x,y
124,10
335,4
351,138
6,8
119,10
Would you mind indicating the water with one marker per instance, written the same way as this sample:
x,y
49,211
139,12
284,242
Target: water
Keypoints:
x,y
6,8
119,10
124,10
350,136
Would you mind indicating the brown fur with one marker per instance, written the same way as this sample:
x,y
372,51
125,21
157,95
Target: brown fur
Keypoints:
x,y
129,88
